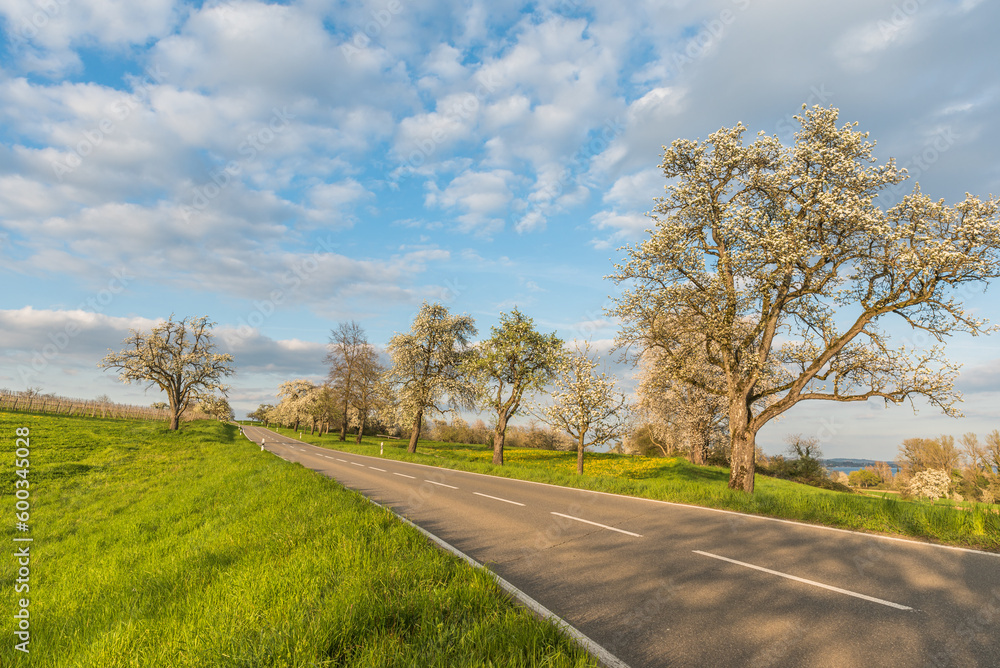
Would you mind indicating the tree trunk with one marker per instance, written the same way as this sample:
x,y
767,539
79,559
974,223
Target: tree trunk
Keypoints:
x,y
742,462
579,456
499,434
175,419
415,432
699,445
361,428
343,430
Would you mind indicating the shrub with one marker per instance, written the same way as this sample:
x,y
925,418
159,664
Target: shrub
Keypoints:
x,y
931,483
864,478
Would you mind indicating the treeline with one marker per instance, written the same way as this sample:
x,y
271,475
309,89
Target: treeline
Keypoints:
x,y
435,369
307,406
966,469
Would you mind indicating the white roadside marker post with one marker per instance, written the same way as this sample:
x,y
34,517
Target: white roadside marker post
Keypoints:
x,y
262,444
380,447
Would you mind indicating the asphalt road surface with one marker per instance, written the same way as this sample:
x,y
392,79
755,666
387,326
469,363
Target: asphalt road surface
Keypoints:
x,y
661,584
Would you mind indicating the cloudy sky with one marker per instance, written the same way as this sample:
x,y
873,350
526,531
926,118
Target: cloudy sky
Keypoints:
x,y
283,167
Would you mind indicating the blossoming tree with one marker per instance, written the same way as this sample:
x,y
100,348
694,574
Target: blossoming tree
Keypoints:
x,y
779,258
586,404
426,365
179,357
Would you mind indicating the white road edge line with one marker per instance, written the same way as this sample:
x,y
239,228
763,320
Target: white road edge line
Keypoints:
x,y
809,582
403,475
497,498
606,658
603,526
376,469
440,484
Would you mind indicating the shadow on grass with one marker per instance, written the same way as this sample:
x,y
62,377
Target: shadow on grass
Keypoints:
x,y
65,470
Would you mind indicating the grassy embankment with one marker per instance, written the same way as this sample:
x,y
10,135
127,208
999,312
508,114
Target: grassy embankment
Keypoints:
x,y
190,549
679,481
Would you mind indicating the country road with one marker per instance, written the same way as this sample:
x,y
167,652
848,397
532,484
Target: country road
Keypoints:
x,y
660,584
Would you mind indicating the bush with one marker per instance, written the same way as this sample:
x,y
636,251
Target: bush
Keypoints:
x,y
864,478
931,484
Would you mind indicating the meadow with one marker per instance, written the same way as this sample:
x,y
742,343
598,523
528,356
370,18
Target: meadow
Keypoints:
x,y
192,549
677,480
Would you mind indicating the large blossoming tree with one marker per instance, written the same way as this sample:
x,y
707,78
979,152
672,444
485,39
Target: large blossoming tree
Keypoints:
x,y
779,263
179,357
427,365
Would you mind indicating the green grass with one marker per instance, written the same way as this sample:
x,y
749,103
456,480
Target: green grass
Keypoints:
x,y
679,481
191,549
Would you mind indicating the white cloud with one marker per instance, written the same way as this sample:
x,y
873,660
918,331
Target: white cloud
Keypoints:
x,y
479,195
635,192
624,226
44,34
338,195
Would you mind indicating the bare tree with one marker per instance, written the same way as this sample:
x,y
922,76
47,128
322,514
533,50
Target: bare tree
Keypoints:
x,y
974,451
779,257
178,357
993,453
371,395
516,360
426,365
920,454
347,344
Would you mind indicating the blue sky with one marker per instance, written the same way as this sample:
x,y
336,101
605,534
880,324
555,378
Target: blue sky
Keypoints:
x,y
284,167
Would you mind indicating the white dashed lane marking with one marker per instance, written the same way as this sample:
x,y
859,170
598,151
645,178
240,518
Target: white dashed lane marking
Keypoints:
x,y
804,581
497,498
603,526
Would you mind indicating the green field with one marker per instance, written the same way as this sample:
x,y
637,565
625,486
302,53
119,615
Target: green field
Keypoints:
x,y
194,549
682,482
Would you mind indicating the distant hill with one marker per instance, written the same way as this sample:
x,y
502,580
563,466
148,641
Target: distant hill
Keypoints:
x,y
853,463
